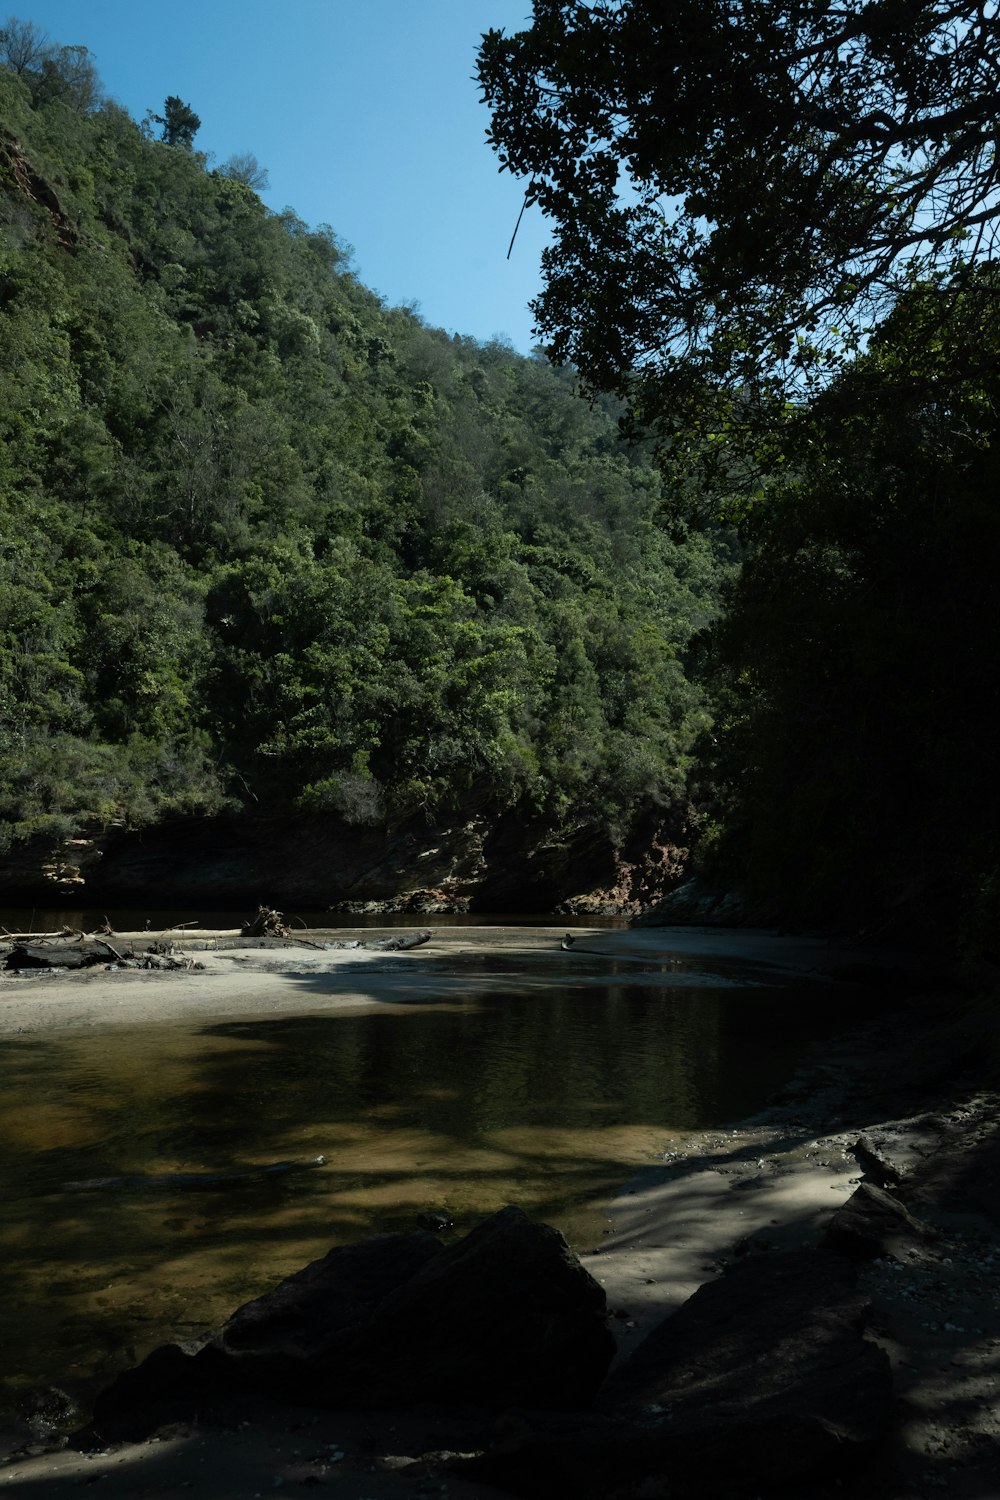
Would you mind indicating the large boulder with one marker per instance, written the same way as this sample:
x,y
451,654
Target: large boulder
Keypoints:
x,y
874,1223
762,1379
507,1316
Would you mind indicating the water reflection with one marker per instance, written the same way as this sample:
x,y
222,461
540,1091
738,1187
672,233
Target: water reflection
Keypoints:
x,y
157,919
547,1097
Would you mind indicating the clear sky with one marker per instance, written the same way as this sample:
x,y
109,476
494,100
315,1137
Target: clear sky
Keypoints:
x,y
365,114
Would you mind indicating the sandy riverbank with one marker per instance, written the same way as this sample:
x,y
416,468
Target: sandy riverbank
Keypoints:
x,y
296,979
910,1078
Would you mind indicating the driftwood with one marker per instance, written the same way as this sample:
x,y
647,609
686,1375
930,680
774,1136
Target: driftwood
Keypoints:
x,y
188,933
80,950
56,955
379,945
394,944
38,937
267,923
88,952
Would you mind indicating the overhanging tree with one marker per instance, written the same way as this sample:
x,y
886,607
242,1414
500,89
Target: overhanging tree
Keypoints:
x,y
740,188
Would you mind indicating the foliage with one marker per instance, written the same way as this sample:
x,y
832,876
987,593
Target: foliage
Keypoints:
x,y
52,73
266,542
859,647
739,188
179,121
774,237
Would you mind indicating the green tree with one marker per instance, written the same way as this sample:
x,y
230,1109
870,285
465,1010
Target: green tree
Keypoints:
x,y
738,187
179,121
859,648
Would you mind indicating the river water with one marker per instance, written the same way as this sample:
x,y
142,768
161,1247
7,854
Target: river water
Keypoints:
x,y
548,1088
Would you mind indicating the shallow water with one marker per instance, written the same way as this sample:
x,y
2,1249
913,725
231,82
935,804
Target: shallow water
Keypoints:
x,y
535,1091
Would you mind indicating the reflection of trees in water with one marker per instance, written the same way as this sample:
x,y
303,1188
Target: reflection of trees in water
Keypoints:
x,y
395,1101
573,1059
242,1091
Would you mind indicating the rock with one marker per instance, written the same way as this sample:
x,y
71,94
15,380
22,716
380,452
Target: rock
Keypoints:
x,y
873,1223
305,1314
506,1316
288,1327
768,1367
761,1379
476,857
874,1163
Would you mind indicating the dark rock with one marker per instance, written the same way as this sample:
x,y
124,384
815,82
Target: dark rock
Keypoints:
x,y
55,955
873,1223
874,1163
305,1314
286,1328
507,1316
761,1379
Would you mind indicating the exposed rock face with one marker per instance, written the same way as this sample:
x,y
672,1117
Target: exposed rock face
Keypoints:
x,y
479,860
641,875
762,1379
35,188
697,903
507,1316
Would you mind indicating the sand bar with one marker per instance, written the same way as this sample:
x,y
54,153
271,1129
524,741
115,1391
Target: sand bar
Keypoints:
x,y
296,979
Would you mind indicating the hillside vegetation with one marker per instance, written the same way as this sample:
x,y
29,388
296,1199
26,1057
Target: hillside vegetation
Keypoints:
x,y
266,543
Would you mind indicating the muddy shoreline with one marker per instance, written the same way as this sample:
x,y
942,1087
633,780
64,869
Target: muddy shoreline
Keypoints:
x,y
917,1079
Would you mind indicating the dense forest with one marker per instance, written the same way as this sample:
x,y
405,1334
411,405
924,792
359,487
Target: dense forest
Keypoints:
x,y
267,543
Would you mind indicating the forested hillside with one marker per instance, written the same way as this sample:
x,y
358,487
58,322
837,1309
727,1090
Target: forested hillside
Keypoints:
x,y
268,544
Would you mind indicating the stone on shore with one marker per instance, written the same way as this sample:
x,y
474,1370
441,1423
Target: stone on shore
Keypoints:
x,y
761,1379
873,1223
505,1317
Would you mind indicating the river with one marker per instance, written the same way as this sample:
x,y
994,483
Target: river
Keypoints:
x,y
543,1085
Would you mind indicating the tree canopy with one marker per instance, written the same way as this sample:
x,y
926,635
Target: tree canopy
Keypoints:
x,y
857,655
266,543
739,188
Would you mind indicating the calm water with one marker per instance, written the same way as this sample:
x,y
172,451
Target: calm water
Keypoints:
x,y
548,1095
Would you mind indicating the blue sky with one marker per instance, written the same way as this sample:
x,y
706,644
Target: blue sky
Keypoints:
x,y
365,114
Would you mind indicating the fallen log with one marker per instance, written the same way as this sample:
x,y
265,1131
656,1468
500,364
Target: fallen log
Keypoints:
x,y
383,944
49,955
180,934
393,944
